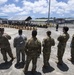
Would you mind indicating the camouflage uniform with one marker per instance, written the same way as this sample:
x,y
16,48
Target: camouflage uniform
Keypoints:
x,y
6,47
33,50
47,43
61,46
72,49
7,36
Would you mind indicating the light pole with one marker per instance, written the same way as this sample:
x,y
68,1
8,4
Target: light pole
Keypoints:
x,y
49,12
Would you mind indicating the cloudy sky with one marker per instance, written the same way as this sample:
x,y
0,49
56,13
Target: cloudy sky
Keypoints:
x,y
36,8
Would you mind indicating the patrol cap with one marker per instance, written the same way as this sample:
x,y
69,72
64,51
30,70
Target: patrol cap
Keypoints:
x,y
65,28
34,32
48,33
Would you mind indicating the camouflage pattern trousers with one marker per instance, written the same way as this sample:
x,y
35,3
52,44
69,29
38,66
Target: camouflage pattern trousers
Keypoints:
x,y
72,53
28,60
46,57
60,53
4,52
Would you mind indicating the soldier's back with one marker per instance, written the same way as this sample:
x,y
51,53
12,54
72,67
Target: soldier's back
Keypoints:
x,y
33,44
4,42
48,42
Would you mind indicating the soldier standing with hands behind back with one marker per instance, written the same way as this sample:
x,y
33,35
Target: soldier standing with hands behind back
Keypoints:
x,y
33,50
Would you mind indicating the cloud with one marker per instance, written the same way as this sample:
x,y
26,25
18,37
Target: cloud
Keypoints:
x,y
3,14
3,1
16,0
39,7
23,13
11,8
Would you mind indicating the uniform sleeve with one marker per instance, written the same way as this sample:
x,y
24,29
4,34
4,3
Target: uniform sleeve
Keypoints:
x,y
72,42
14,42
26,47
6,42
7,36
39,47
53,42
43,42
69,36
60,38
39,50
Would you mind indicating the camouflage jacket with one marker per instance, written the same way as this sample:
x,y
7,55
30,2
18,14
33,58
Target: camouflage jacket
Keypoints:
x,y
4,42
7,36
63,39
33,46
47,43
72,42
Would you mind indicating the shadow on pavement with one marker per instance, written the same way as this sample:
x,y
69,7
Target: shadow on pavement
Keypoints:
x,y
35,73
48,69
6,65
19,65
63,67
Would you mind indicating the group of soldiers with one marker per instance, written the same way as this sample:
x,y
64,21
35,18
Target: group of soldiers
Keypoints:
x,y
33,47
20,27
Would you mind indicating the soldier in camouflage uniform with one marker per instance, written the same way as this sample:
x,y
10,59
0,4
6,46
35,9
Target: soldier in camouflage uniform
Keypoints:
x,y
62,44
5,34
72,49
5,46
33,50
47,43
